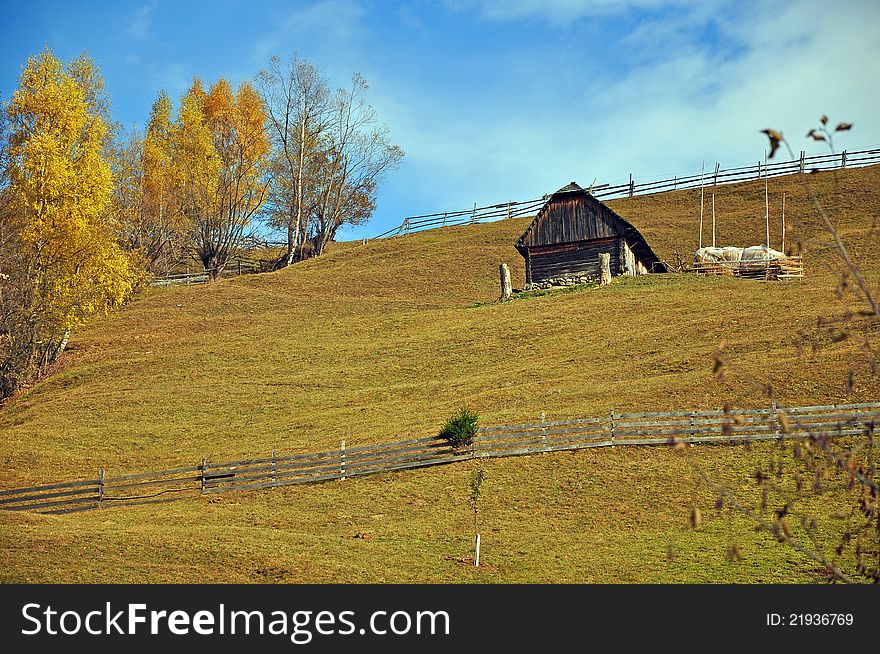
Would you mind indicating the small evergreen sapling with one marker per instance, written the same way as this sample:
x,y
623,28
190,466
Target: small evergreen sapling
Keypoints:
x,y
460,429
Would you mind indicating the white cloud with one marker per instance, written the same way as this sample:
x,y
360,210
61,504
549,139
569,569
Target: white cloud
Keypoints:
x,y
560,12
141,22
777,65
329,31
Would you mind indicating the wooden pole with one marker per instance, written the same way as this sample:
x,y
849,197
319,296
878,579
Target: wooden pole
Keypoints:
x,y
713,220
783,223
274,470
477,552
101,488
766,205
631,186
342,460
702,166
605,266
474,214
543,432
202,469
611,416
506,288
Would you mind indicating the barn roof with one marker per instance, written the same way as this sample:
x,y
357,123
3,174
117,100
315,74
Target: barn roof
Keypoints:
x,y
568,188
572,214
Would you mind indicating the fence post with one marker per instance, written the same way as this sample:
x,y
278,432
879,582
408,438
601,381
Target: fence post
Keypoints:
x,y
631,186
508,209
406,222
239,266
506,287
274,470
775,418
543,433
101,488
342,459
202,471
693,427
843,159
717,170
474,214
444,219
612,426
803,154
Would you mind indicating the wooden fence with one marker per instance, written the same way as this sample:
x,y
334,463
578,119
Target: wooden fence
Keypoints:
x,y
713,177
614,429
236,266
785,268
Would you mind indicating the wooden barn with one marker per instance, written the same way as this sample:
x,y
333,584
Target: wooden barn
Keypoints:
x,y
569,233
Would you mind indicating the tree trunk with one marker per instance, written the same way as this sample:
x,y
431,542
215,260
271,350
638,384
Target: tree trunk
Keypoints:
x,y
605,265
291,244
506,289
59,349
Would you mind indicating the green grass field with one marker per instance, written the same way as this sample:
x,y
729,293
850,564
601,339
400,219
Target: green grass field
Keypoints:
x,y
378,342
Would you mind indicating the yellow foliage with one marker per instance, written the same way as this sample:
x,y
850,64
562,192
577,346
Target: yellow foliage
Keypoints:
x,y
61,185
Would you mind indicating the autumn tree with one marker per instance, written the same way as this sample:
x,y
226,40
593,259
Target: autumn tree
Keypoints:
x,y
61,260
222,150
330,153
297,103
357,155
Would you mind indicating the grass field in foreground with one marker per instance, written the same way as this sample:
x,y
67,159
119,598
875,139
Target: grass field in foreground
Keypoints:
x,y
379,342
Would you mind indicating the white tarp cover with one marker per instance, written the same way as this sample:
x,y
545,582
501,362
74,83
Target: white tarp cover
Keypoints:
x,y
754,253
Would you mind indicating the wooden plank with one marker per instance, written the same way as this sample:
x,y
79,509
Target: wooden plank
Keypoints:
x,y
390,460
539,425
548,432
279,474
154,473
34,489
286,482
379,446
420,464
686,429
228,464
423,447
153,482
45,496
304,464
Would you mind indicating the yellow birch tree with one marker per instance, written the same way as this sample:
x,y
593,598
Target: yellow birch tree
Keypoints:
x,y
63,258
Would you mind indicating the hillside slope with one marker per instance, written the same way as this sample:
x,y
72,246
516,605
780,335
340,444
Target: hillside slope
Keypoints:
x,y
375,342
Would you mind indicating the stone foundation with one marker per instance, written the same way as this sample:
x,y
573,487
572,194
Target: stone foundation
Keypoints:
x,y
562,281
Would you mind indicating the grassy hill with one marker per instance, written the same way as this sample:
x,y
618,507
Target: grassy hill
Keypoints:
x,y
378,342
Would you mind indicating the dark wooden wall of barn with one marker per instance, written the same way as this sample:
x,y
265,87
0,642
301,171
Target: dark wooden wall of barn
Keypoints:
x,y
573,217
572,259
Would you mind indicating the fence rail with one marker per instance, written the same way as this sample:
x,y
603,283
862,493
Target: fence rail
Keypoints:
x,y
615,429
236,266
714,177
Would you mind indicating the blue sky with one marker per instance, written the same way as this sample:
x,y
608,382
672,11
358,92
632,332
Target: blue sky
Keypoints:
x,y
504,99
